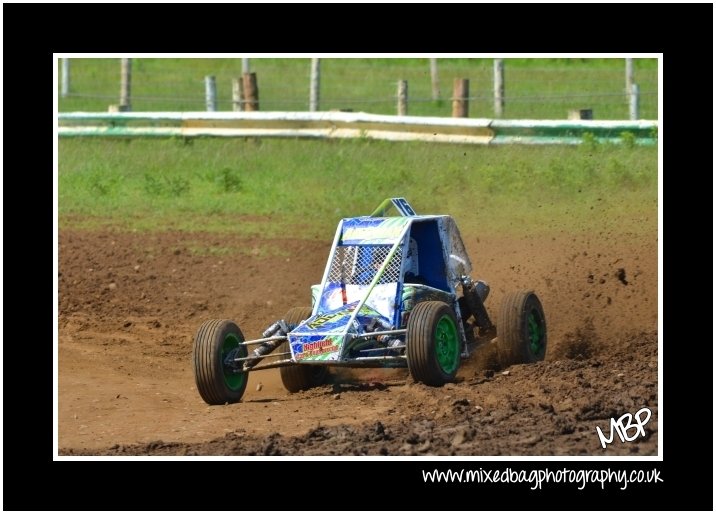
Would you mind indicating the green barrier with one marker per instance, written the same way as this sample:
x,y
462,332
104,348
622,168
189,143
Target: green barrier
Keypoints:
x,y
573,132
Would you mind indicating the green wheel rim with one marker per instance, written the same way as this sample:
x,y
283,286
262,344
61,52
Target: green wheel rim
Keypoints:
x,y
233,381
446,345
535,332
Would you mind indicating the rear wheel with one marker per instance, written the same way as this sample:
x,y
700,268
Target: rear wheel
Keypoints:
x,y
433,343
522,331
300,377
218,378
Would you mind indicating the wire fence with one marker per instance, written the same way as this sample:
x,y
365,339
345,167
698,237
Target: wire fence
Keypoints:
x,y
533,88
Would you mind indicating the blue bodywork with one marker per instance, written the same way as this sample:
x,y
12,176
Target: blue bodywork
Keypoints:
x,y
378,268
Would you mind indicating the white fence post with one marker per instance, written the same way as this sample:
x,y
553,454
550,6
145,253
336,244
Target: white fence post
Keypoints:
x,y
629,75
435,83
65,78
244,66
315,86
210,86
125,91
402,98
634,102
499,85
237,94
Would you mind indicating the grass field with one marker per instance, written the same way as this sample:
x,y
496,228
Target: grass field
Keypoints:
x,y
534,88
301,188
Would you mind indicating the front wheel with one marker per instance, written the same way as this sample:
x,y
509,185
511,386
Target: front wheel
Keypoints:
x,y
219,379
522,329
433,343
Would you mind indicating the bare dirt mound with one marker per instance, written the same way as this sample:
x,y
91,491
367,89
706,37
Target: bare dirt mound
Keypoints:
x,y
130,304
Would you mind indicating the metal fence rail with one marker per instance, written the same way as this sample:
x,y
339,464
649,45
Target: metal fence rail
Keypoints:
x,y
352,125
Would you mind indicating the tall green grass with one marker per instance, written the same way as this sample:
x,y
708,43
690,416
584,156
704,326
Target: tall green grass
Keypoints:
x,y
301,188
534,88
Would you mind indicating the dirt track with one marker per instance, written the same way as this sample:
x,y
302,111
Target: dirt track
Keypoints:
x,y
130,304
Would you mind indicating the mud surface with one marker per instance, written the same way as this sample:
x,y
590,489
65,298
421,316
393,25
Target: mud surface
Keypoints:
x,y
130,304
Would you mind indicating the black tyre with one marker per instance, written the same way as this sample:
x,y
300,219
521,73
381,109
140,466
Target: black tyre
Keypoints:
x,y
433,343
522,330
219,380
300,377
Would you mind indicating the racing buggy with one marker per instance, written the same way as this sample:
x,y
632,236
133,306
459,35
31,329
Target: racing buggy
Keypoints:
x,y
396,292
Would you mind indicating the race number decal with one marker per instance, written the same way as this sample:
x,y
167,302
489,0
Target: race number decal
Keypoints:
x,y
403,206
